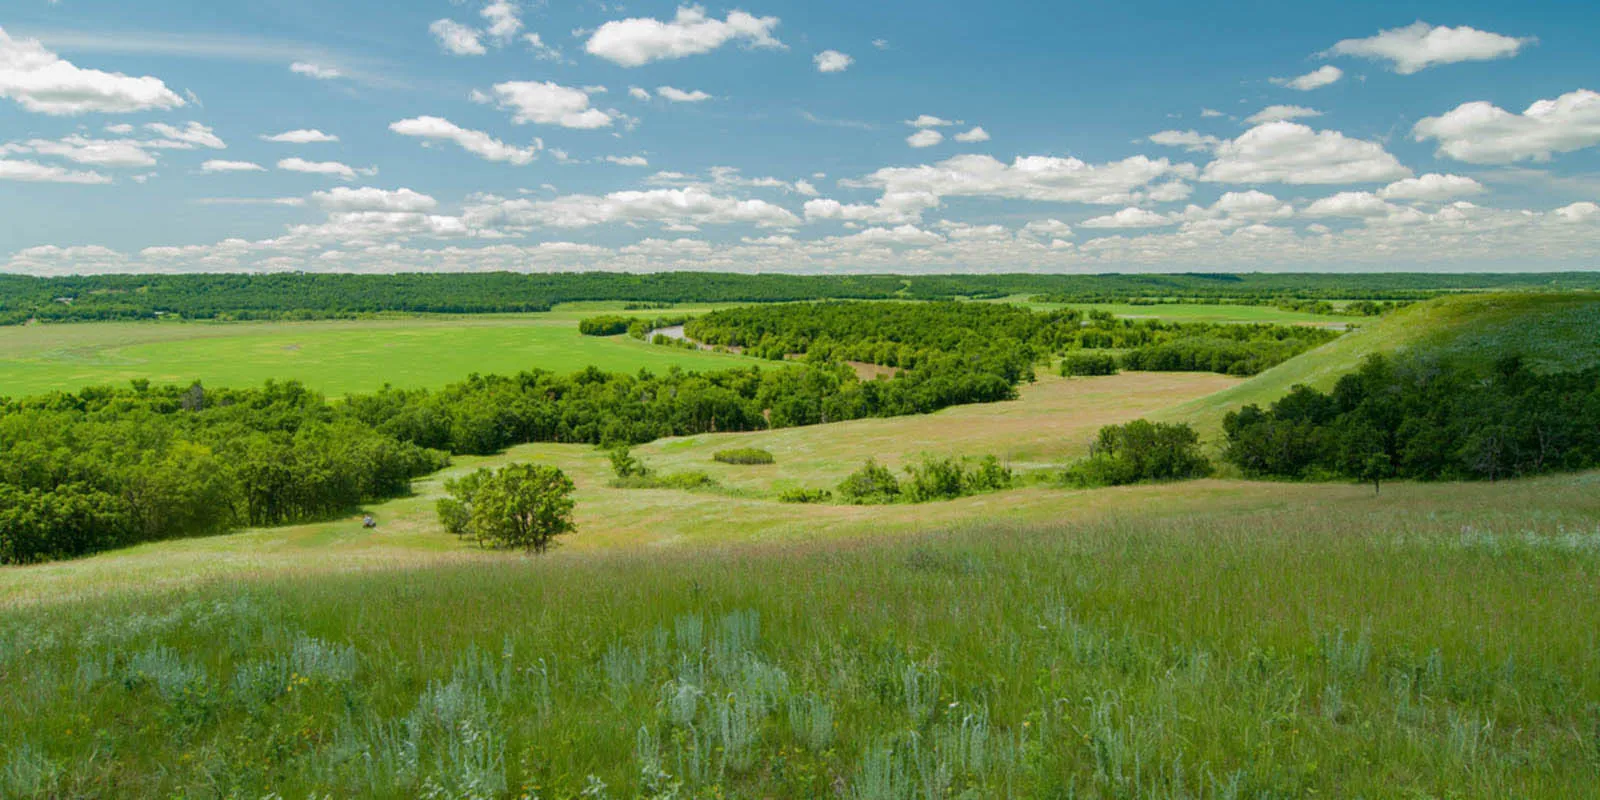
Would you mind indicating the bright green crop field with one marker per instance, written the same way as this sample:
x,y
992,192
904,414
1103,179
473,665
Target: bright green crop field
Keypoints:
x,y
335,357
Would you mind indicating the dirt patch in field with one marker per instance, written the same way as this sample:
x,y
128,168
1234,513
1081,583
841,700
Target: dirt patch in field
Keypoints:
x,y
867,372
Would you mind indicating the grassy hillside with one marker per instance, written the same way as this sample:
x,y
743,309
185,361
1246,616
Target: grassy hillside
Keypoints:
x,y
335,357
1418,643
1552,330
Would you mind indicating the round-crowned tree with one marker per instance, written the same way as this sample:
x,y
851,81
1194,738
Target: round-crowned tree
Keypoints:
x,y
519,506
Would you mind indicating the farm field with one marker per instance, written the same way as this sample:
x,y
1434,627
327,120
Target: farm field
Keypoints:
x,y
335,357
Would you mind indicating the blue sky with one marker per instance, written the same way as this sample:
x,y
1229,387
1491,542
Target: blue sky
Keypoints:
x,y
169,136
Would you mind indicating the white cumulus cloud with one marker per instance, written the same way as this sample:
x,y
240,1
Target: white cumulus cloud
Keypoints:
x,y
689,206
1483,133
1316,79
832,61
457,39
1129,217
927,137
549,103
44,83
367,198
33,172
476,142
1279,113
322,168
1431,188
1288,152
680,96
1419,45
217,165
637,41
977,134
316,71
302,136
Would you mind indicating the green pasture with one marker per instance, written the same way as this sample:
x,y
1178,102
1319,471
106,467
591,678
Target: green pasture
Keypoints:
x,y
336,357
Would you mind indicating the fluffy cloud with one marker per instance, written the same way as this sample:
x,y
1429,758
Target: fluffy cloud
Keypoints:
x,y
1315,79
638,93
1584,211
672,207
1129,217
346,199
504,19
1193,141
1288,152
457,39
322,168
977,134
1279,113
32,172
1419,45
1043,178
548,103
680,96
301,136
929,121
628,161
542,51
217,165
45,83
1356,205
92,152
892,209
638,41
832,61
190,136
927,137
316,71
1482,133
476,142
1431,188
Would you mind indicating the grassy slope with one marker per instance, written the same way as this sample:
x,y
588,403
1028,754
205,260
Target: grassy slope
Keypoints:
x,y
1198,312
1310,641
1550,329
336,357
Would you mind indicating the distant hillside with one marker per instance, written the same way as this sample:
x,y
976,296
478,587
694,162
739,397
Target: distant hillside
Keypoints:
x,y
1553,331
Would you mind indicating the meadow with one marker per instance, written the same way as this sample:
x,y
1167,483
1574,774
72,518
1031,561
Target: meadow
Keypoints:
x,y
335,357
1218,638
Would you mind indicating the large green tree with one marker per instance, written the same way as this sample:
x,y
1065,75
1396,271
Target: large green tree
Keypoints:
x,y
521,505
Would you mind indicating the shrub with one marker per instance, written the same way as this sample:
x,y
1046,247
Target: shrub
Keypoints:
x,y
1088,363
989,476
673,480
625,465
1141,451
934,479
521,505
743,455
871,485
605,325
806,496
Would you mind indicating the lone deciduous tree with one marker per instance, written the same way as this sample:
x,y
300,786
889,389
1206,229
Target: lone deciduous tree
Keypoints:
x,y
521,505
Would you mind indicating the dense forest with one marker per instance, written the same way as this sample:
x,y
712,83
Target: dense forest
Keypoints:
x,y
1424,419
898,334
319,295
107,467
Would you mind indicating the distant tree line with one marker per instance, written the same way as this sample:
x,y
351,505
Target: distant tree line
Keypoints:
x,y
1424,419
339,295
898,334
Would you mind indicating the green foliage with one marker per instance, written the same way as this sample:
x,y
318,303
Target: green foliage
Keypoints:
x,y
605,325
682,481
743,455
1088,363
518,506
873,484
1425,419
1141,451
106,468
624,465
1241,350
805,496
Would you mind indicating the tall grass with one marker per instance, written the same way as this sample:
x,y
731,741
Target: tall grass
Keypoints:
x,y
1277,654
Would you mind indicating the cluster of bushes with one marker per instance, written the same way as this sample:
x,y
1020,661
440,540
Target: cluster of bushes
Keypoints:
x,y
631,473
1140,451
805,496
519,506
1427,420
1226,356
1087,364
106,468
605,325
927,481
743,455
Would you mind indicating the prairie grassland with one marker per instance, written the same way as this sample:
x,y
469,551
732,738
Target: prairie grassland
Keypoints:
x,y
1433,641
335,357
1200,312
